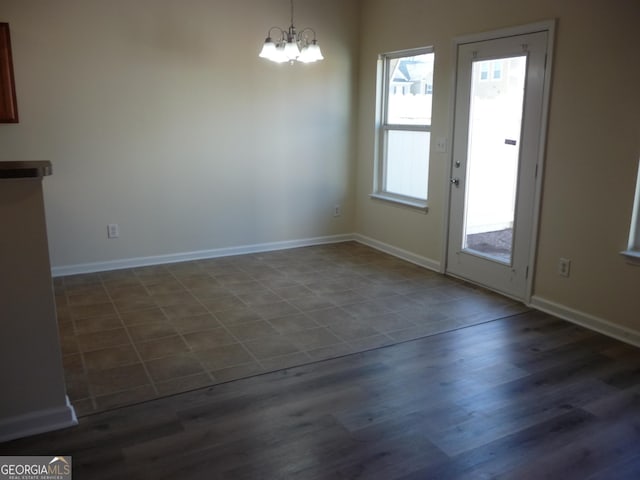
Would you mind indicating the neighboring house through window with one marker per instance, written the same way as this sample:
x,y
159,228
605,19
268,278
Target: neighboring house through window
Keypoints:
x,y
484,71
403,136
497,69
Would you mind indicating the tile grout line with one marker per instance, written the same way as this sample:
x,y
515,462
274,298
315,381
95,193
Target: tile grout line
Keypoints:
x,y
180,334
133,344
94,403
222,324
304,313
252,308
329,270
342,340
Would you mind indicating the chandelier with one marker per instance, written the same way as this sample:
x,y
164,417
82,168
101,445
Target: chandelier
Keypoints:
x,y
292,46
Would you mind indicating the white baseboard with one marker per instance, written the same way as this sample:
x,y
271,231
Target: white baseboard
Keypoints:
x,y
242,250
197,255
586,320
40,421
398,252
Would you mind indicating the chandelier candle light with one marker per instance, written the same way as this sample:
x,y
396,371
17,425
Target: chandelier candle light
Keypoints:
x,y
292,46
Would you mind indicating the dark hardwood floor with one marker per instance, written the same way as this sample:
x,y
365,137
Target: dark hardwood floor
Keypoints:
x,y
526,397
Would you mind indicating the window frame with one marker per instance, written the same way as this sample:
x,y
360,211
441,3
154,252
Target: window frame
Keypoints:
x,y
633,247
382,129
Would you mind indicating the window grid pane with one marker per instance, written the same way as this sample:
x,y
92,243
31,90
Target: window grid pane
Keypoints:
x,y
407,166
405,130
409,90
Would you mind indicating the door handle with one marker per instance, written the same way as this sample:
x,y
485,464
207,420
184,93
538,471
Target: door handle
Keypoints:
x,y
455,181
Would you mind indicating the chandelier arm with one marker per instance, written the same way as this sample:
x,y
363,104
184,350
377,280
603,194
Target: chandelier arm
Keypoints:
x,y
301,33
282,32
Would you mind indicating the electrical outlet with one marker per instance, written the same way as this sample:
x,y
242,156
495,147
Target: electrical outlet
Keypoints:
x,y
113,231
564,267
337,211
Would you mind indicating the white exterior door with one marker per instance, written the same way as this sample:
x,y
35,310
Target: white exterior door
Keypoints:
x,y
496,147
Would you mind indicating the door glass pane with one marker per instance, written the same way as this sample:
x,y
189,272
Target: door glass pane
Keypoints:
x,y
407,168
495,120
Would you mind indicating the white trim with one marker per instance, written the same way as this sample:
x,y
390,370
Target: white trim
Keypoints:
x,y
398,252
446,218
633,249
550,27
407,52
586,320
404,201
197,255
542,26
40,421
632,256
242,250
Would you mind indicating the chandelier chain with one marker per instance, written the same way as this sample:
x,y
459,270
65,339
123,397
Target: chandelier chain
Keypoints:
x,y
292,13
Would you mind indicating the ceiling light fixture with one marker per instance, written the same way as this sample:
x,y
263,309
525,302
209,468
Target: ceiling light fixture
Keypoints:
x,y
292,46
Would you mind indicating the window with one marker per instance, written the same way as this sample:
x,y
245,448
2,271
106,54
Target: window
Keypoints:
x,y
405,84
497,70
633,249
484,71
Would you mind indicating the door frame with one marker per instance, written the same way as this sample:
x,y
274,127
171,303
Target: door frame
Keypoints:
x,y
548,26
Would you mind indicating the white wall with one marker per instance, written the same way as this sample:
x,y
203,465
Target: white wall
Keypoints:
x,y
159,116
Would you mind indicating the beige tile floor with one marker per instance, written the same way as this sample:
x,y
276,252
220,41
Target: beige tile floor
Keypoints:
x,y
133,335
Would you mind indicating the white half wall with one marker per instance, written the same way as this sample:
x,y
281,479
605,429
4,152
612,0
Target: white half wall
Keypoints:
x,y
37,421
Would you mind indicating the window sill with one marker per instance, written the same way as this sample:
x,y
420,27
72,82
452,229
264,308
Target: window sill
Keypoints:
x,y
633,256
406,202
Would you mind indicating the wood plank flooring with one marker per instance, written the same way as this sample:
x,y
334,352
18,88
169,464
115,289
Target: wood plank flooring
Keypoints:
x,y
526,397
